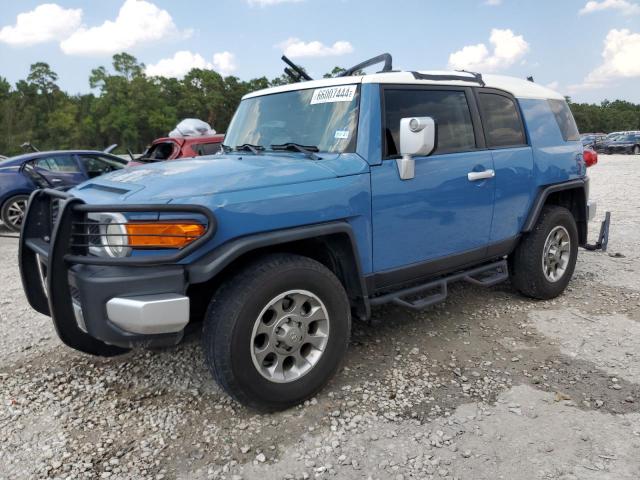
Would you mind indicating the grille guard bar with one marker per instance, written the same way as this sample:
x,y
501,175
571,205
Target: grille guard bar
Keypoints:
x,y
44,242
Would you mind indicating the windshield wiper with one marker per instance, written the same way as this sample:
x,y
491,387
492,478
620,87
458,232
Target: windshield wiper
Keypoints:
x,y
306,149
255,149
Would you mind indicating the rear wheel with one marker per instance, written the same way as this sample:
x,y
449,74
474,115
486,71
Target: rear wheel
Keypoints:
x,y
13,212
543,263
277,331
636,150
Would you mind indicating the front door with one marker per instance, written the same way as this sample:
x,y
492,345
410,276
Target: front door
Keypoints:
x,y
443,212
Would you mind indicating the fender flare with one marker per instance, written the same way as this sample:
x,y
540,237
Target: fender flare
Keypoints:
x,y
214,262
577,184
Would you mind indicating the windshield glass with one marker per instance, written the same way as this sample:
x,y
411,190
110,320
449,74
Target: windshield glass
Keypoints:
x,y
325,118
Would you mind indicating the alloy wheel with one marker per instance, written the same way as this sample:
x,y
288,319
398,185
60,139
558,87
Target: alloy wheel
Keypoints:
x,y
289,336
556,253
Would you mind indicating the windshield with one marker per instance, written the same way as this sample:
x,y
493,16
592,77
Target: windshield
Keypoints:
x,y
325,118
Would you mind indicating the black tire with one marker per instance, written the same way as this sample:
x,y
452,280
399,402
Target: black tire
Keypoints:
x,y
526,262
636,150
7,212
232,313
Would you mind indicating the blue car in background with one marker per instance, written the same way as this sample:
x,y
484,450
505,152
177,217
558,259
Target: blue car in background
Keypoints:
x,y
21,175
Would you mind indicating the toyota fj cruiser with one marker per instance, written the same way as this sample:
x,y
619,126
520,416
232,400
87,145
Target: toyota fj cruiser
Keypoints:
x,y
331,197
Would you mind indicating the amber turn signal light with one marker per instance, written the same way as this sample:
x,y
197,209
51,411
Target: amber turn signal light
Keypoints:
x,y
163,235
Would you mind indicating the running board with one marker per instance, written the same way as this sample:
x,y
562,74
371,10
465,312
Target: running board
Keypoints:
x,y
485,276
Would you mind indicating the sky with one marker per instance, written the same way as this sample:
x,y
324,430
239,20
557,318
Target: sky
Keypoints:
x,y
589,50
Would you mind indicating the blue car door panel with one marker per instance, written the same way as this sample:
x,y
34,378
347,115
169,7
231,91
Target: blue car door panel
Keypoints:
x,y
446,209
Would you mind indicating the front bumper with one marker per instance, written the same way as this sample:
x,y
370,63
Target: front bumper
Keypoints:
x,y
101,306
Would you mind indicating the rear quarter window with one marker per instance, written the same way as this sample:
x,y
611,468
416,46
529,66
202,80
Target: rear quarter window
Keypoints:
x,y
564,119
501,121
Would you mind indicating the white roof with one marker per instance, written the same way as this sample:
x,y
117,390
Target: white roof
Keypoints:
x,y
517,87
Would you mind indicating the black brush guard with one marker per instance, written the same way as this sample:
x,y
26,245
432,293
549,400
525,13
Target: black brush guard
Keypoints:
x,y
46,253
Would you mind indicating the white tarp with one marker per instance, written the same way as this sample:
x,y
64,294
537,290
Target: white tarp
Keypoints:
x,y
192,127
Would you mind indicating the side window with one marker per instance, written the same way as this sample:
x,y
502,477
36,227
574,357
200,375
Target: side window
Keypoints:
x,y
96,165
565,120
207,148
501,122
57,164
449,109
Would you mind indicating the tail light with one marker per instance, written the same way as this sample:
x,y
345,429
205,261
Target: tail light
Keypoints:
x,y
590,157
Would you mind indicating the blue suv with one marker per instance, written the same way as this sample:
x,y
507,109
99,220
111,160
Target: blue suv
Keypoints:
x,y
331,197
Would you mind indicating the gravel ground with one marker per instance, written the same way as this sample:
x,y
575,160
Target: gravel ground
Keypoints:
x,y
487,385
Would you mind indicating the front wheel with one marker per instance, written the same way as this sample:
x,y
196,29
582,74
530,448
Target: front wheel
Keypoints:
x,y
277,332
543,262
13,211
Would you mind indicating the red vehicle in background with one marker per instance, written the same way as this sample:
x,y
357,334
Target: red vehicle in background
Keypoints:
x,y
171,148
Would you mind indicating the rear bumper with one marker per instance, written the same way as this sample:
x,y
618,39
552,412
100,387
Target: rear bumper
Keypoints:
x,y
592,208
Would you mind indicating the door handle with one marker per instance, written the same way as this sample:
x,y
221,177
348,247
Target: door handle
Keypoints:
x,y
475,176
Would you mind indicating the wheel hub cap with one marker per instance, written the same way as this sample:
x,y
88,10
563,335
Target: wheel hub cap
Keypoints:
x,y
289,336
556,254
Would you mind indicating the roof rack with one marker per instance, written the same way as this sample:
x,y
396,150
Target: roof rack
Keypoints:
x,y
295,73
475,77
385,57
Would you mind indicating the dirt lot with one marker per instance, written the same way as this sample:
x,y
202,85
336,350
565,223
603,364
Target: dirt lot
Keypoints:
x,y
488,385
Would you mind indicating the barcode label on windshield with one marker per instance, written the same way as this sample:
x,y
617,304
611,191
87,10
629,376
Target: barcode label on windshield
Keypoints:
x,y
342,93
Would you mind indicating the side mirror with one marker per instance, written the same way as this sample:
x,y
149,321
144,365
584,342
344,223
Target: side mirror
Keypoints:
x,y
417,137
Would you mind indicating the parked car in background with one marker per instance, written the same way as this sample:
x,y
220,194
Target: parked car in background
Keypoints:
x,y
589,140
21,175
600,146
625,144
171,148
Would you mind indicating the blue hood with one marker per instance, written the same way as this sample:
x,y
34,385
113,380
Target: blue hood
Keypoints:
x,y
164,181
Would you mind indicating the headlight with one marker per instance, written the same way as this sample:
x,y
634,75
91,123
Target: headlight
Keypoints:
x,y
115,240
109,235
112,235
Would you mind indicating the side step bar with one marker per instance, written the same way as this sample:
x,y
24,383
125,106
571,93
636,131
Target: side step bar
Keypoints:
x,y
485,276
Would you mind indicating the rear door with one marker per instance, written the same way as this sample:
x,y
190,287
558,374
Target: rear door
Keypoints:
x,y
512,159
443,212
58,170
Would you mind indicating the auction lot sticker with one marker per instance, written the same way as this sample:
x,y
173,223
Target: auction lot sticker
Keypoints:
x,y
341,93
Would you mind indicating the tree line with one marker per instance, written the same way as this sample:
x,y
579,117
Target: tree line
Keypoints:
x,y
131,109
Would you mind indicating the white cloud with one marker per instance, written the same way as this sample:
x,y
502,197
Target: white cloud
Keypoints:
x,y
184,61
493,3
555,85
138,22
268,3
624,6
178,65
621,59
224,62
508,48
44,23
296,48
